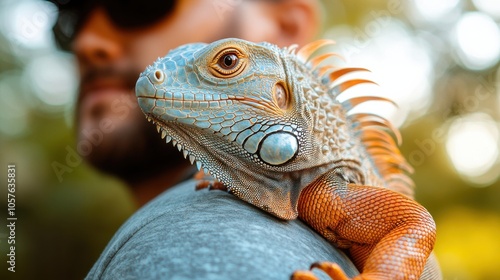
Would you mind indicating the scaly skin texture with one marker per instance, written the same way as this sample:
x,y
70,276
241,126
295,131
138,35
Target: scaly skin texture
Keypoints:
x,y
399,227
267,124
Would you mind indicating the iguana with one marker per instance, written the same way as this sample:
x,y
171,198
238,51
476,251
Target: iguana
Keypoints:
x,y
267,124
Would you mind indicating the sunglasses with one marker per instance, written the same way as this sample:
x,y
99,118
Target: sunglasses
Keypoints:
x,y
126,14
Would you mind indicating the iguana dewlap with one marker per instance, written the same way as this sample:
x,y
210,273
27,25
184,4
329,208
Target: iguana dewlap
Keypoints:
x,y
267,124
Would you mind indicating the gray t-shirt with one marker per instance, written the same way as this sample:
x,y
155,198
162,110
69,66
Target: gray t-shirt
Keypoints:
x,y
188,234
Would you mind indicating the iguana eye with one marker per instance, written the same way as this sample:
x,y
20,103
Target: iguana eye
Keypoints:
x,y
228,63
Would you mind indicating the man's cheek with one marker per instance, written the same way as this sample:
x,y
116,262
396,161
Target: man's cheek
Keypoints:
x,y
120,108
124,106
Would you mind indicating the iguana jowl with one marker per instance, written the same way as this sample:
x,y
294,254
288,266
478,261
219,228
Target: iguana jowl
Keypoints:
x,y
267,124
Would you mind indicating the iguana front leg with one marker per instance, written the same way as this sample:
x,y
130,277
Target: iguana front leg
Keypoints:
x,y
388,235
206,181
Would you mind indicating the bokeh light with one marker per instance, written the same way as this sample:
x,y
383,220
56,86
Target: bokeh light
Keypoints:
x,y
431,10
473,146
477,39
28,24
491,7
400,63
56,87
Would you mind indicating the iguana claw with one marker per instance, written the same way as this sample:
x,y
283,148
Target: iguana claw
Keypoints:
x,y
209,182
303,275
331,269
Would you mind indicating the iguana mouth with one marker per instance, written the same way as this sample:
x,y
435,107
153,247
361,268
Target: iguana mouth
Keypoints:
x,y
188,140
178,137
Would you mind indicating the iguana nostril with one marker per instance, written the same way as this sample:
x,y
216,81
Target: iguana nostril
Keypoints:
x,y
158,76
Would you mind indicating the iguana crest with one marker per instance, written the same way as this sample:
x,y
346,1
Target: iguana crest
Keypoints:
x,y
266,121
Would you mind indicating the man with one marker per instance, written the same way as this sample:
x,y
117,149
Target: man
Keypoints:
x,y
181,233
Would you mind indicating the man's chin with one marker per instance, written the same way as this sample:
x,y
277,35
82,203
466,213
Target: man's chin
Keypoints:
x,y
112,157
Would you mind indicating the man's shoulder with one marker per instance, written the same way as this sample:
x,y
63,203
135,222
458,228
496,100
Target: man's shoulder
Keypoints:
x,y
183,234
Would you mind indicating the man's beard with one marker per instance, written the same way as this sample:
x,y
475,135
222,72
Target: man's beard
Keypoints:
x,y
135,155
133,150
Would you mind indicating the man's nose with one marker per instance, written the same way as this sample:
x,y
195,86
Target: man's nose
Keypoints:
x,y
98,41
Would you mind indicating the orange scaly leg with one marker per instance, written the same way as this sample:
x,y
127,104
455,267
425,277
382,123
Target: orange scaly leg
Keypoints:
x,y
388,235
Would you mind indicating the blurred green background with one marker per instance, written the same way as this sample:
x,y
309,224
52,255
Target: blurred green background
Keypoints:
x,y
438,60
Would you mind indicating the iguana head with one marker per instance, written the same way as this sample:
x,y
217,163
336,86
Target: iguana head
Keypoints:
x,y
255,116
